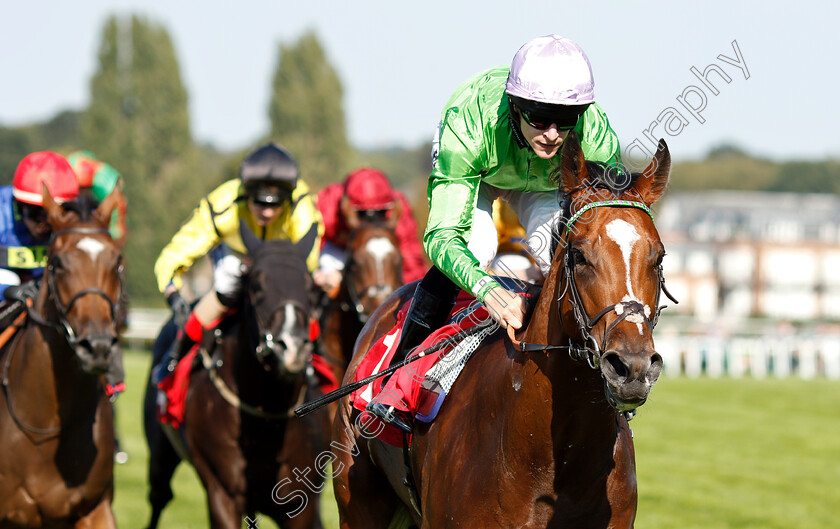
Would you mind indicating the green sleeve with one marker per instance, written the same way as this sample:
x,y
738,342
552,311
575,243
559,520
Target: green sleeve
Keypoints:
x,y
453,194
598,139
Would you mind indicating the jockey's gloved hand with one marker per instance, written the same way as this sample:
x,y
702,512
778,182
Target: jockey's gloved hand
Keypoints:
x,y
27,290
180,308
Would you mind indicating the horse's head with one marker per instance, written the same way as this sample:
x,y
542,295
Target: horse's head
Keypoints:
x,y
611,255
83,280
278,290
374,264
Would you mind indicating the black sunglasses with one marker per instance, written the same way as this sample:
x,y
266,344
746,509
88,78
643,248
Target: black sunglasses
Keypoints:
x,y
542,121
33,212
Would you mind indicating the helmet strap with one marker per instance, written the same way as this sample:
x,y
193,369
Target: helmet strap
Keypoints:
x,y
516,127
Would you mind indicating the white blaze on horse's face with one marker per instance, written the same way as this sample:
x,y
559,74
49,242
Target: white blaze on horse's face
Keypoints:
x,y
379,248
625,236
293,358
91,246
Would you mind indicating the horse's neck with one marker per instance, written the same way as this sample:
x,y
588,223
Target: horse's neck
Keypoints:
x,y
574,390
43,364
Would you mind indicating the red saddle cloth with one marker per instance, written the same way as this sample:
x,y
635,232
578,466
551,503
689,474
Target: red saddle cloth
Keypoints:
x,y
174,388
407,389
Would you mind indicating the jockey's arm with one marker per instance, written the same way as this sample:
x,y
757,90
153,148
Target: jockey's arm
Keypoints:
x,y
195,238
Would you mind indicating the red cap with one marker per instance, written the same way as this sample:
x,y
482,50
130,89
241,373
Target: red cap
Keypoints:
x,y
50,168
369,189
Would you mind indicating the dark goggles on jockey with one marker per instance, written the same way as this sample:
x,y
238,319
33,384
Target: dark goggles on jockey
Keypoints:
x,y
33,212
268,195
541,115
373,215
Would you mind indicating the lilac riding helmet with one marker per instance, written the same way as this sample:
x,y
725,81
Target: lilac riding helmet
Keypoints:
x,y
553,70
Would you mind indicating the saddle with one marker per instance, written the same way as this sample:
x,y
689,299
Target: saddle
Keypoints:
x,y
421,387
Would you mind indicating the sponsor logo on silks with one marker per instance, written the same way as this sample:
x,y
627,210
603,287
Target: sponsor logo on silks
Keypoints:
x,y
27,257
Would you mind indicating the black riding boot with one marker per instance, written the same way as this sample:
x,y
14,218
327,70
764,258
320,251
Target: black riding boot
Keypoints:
x,y
426,313
180,347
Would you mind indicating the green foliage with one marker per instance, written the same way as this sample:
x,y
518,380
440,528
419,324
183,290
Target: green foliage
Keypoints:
x,y
729,167
138,122
59,134
306,112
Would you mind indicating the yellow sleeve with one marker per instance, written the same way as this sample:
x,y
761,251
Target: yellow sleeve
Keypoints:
x,y
197,236
303,217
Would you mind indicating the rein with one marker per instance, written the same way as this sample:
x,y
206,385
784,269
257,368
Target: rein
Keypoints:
x,y
233,399
583,352
265,346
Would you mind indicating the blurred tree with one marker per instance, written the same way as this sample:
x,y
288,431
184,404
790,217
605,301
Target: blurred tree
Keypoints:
x,y
138,122
306,112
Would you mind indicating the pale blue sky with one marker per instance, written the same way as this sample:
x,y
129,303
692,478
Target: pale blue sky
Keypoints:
x,y
400,61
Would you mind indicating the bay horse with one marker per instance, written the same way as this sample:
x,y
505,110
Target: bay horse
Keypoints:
x,y
372,272
531,436
239,430
56,422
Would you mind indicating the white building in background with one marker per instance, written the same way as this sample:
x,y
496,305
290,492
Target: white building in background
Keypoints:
x,y
738,254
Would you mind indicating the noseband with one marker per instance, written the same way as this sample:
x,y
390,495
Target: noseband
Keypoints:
x,y
589,351
63,325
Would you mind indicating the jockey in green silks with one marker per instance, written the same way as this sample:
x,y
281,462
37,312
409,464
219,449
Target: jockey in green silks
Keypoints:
x,y
500,136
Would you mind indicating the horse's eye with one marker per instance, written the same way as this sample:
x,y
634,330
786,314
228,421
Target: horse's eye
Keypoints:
x,y
659,260
55,263
578,258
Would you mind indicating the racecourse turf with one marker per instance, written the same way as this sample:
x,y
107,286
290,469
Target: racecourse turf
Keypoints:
x,y
710,454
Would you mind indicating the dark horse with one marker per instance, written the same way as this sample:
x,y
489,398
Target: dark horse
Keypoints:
x,y
372,272
530,437
239,429
56,423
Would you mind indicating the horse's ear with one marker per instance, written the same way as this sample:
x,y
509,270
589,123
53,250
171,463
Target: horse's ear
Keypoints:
x,y
394,218
249,239
351,216
305,244
651,183
106,207
572,164
56,215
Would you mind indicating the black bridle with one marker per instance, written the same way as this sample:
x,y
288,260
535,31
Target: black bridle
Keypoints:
x,y
63,325
589,351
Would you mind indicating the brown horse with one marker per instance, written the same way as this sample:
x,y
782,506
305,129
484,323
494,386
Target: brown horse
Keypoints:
x,y
56,423
530,437
373,271
239,430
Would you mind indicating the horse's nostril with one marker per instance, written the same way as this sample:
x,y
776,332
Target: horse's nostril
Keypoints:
x,y
617,365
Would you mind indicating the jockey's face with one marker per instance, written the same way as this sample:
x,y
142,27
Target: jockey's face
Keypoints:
x,y
35,220
545,142
264,213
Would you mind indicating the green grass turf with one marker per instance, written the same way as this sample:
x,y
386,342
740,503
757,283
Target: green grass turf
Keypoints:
x,y
710,453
